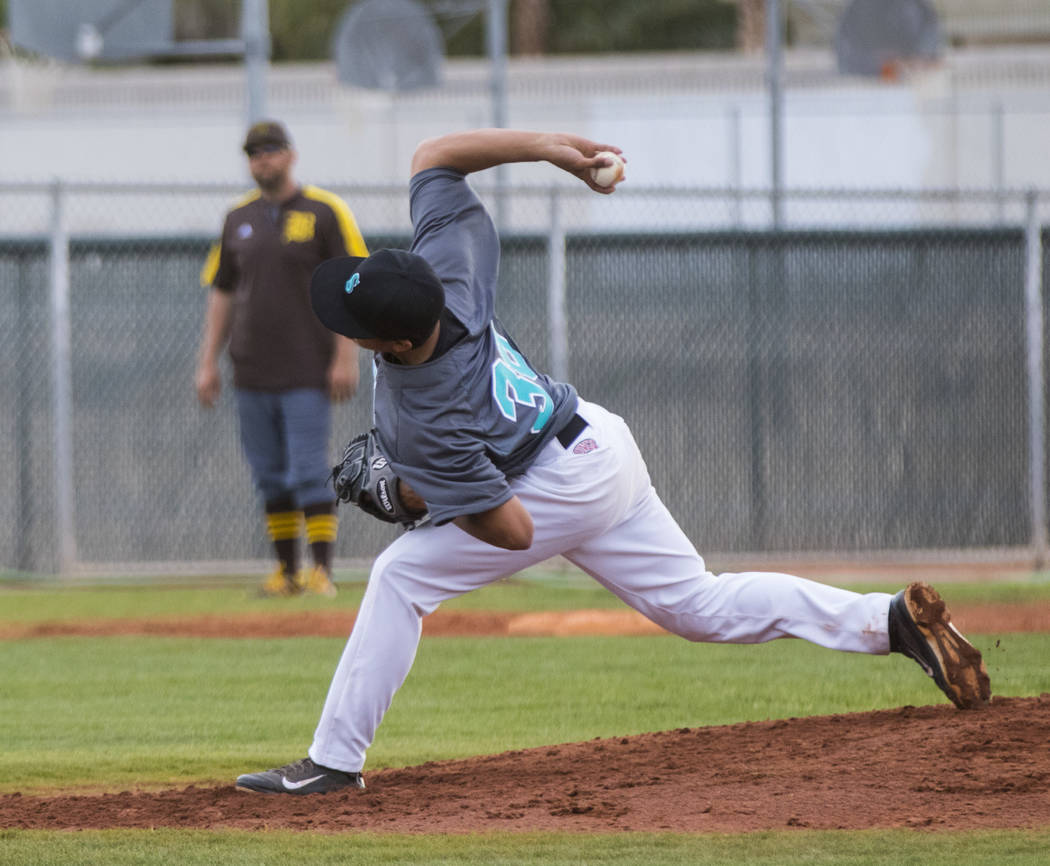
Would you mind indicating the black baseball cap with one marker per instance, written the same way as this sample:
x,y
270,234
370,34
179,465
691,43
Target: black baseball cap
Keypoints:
x,y
391,295
266,133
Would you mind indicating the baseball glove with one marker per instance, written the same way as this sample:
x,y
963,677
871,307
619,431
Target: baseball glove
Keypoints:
x,y
365,477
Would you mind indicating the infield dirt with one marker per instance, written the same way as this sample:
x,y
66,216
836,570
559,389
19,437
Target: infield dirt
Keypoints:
x,y
930,767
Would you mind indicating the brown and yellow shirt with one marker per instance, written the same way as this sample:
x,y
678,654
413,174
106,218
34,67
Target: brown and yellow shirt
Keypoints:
x,y
265,257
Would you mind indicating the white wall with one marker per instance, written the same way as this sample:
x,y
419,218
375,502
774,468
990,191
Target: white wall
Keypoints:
x,y
185,125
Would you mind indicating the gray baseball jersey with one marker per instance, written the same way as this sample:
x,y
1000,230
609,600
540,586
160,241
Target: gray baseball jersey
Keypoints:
x,y
458,426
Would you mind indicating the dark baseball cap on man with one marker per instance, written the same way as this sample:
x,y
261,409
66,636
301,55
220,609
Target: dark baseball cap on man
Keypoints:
x,y
266,133
391,295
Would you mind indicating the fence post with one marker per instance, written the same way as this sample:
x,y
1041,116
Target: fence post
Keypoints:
x,y
1033,242
557,319
255,32
775,84
496,42
999,157
736,159
61,384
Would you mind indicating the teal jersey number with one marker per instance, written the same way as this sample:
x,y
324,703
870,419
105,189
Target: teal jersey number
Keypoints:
x,y
514,384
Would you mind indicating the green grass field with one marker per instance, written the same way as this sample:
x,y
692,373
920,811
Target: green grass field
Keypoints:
x,y
111,713
196,848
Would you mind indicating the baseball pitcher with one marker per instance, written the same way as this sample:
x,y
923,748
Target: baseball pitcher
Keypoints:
x,y
496,467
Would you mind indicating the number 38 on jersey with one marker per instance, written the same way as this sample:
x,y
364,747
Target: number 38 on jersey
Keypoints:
x,y
515,384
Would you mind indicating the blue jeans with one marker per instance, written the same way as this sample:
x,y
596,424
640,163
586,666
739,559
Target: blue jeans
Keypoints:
x,y
285,439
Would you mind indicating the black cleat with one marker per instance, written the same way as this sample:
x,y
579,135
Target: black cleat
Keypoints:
x,y
921,628
301,777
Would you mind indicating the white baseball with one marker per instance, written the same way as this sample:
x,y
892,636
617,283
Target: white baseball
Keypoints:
x,y
608,175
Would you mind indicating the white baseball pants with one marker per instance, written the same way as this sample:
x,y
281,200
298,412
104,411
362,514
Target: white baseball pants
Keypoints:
x,y
598,509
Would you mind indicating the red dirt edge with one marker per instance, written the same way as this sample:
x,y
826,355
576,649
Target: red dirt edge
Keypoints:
x,y
979,619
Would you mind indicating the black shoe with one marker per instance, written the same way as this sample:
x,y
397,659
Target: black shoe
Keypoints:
x,y
921,628
301,777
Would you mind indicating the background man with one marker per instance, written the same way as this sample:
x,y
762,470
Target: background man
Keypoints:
x,y
286,365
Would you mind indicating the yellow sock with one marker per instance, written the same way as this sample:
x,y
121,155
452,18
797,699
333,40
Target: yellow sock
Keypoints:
x,y
321,527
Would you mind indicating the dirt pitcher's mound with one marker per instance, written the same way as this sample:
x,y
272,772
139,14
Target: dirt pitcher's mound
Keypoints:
x,y
928,767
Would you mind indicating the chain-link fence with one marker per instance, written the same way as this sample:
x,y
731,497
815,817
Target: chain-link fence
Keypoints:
x,y
867,378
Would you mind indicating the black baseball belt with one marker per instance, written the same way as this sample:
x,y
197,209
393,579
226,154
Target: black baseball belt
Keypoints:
x,y
568,434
